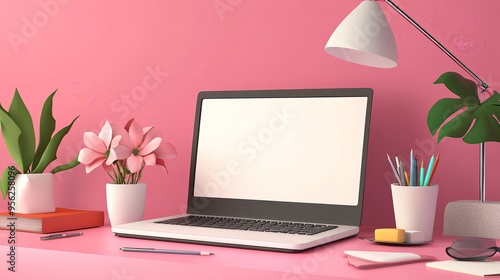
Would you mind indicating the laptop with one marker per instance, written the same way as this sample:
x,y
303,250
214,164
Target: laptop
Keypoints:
x,y
280,170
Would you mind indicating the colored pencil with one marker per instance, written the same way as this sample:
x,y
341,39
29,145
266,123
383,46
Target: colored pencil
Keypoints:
x,y
434,168
394,170
429,171
422,173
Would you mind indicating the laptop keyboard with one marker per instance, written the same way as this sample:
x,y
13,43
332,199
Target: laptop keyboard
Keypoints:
x,y
249,224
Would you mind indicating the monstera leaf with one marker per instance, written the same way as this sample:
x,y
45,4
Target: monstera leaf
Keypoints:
x,y
475,123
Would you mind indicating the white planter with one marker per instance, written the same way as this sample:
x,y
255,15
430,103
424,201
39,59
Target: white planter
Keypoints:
x,y
125,202
34,193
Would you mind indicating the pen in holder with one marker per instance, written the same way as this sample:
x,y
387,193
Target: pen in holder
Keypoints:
x,y
415,208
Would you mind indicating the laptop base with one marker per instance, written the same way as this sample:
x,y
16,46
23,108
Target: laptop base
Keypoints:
x,y
282,250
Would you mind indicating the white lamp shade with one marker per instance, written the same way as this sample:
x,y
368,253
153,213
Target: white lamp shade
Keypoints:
x,y
365,37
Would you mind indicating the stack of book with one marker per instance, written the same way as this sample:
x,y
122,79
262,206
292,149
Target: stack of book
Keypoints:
x,y
63,219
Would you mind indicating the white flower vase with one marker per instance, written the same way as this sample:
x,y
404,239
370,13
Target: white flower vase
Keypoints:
x,y
34,193
125,202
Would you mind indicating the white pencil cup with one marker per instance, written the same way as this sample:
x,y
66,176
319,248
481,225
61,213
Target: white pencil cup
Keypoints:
x,y
415,208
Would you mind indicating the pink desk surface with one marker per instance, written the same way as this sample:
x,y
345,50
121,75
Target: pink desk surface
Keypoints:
x,y
96,255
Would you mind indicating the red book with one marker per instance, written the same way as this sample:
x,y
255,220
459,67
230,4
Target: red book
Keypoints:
x,y
63,219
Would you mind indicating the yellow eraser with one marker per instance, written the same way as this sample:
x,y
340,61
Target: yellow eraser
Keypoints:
x,y
390,235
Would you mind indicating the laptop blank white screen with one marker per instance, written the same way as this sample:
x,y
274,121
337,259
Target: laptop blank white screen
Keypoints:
x,y
301,149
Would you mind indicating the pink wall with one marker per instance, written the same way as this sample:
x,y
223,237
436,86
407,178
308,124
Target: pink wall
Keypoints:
x,y
98,54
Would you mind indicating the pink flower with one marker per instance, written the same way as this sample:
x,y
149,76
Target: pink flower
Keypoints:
x,y
143,146
100,149
124,152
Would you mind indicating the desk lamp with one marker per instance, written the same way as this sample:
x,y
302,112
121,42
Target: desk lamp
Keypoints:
x,y
365,37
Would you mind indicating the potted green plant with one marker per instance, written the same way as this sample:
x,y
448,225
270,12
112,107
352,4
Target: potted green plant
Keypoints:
x,y
476,122
32,190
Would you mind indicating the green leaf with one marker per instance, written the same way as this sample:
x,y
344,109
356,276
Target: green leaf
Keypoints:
x,y
21,116
486,127
458,126
11,133
47,128
478,123
441,111
459,85
4,180
50,153
482,117
493,100
67,166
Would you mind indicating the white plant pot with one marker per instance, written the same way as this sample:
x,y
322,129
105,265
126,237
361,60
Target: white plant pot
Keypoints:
x,y
34,193
125,202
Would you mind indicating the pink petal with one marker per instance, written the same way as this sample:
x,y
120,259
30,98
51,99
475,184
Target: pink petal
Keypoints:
x,y
136,136
125,137
166,151
147,129
93,165
134,163
161,163
106,134
115,141
150,159
112,157
87,156
149,136
93,142
150,147
153,132
127,126
121,152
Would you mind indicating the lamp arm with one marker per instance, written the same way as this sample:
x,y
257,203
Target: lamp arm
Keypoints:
x,y
480,82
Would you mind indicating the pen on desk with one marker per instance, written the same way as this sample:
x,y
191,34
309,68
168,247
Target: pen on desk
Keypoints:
x,y
165,251
60,235
394,170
